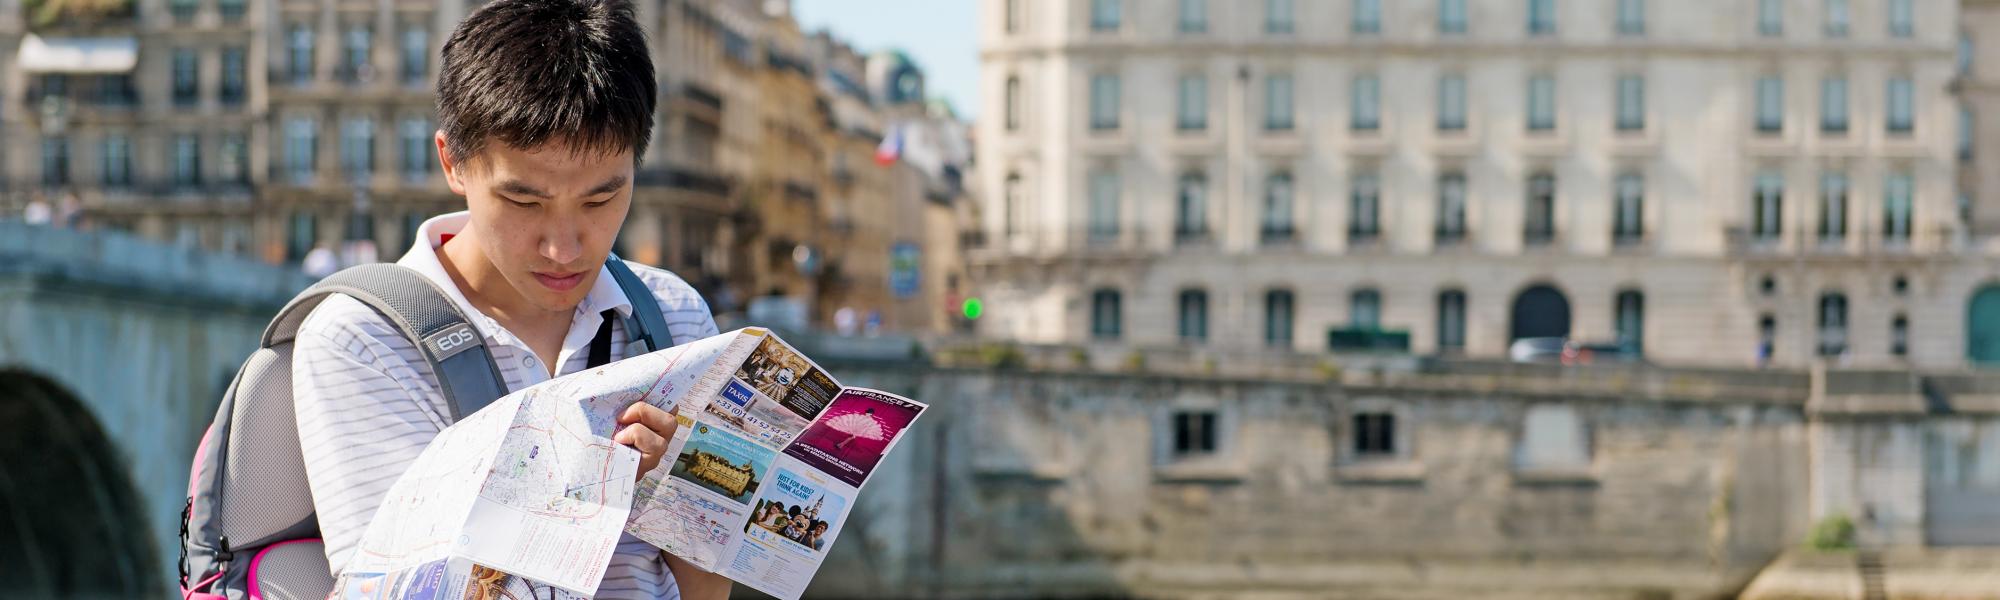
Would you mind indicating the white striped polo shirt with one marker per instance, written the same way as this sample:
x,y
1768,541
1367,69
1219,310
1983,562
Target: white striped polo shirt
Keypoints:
x,y
368,403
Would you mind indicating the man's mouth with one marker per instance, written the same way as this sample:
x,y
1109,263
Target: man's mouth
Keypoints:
x,y
560,282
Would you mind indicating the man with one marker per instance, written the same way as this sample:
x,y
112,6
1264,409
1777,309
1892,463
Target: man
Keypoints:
x,y
544,108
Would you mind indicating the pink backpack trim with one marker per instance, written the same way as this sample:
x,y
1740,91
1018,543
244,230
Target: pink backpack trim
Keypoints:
x,y
256,589
189,593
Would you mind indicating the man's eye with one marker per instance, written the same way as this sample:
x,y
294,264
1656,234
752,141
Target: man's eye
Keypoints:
x,y
518,204
596,204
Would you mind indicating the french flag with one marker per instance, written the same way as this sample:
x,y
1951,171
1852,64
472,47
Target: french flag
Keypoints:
x,y
891,148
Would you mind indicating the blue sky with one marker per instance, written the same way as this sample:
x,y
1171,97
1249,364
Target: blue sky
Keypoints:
x,y
942,35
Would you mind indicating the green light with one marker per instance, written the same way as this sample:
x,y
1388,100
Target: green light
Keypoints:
x,y
973,308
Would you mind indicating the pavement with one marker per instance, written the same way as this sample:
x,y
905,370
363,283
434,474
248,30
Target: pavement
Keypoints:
x,y
1887,574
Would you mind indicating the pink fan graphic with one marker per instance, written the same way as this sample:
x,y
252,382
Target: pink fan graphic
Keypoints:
x,y
854,433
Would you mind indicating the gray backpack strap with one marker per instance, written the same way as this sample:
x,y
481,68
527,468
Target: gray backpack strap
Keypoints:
x,y
647,324
453,346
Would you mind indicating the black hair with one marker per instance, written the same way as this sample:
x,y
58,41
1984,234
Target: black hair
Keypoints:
x,y
527,73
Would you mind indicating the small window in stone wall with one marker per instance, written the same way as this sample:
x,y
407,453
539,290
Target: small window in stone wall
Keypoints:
x,y
1193,433
1553,438
1374,435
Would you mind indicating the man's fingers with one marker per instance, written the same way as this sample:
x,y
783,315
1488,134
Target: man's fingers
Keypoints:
x,y
652,417
642,439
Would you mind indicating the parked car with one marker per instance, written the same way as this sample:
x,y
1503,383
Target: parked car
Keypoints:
x,y
1576,353
1537,349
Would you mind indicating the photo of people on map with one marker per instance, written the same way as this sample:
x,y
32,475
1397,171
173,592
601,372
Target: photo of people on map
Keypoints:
x,y
773,368
723,463
854,433
796,510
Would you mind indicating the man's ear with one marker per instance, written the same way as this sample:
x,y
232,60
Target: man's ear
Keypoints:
x,y
452,176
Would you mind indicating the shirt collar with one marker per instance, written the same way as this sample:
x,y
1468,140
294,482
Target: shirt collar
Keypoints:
x,y
604,295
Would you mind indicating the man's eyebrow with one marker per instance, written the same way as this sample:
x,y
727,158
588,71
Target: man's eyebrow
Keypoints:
x,y
615,183
515,187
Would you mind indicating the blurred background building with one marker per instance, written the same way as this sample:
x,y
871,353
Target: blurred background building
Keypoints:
x,y
274,129
1726,182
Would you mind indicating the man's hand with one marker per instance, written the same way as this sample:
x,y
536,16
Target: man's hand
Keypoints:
x,y
647,429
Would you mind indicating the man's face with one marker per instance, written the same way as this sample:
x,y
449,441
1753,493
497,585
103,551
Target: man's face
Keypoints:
x,y
545,218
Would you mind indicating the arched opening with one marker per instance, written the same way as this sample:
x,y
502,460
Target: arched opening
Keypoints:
x,y
1539,311
71,523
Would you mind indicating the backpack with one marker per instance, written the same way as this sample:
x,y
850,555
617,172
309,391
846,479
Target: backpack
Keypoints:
x,y
248,530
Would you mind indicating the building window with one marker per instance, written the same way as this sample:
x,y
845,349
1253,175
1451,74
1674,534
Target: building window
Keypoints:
x,y
1365,310
1193,104
1104,102
1012,208
1012,15
1367,16
1900,285
117,158
187,77
1541,17
1013,100
1553,438
1451,103
1770,104
419,148
1768,285
1105,15
1832,324
1367,111
235,164
1628,223
1767,339
1832,208
187,161
183,10
1278,319
1541,103
55,161
299,51
1451,321
1374,435
355,66
357,147
1896,206
1965,133
1901,103
1768,207
1631,103
1836,18
1103,205
1278,16
303,236
416,55
115,90
1278,102
1191,209
1833,105
1105,315
1631,17
234,74
1770,18
1194,316
1365,209
1194,16
301,148
1631,321
232,10
1540,222
1965,50
1899,336
1902,23
1278,209
1194,433
1451,208
1451,16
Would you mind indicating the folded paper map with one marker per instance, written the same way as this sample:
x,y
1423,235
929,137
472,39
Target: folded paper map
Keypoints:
x,y
528,496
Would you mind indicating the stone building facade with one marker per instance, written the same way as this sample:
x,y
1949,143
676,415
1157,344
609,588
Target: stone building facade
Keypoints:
x,y
1708,182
